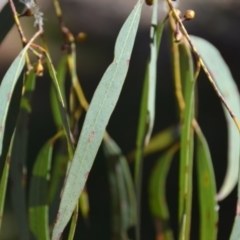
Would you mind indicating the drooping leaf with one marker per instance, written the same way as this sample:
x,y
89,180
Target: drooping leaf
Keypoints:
x,y
97,117
186,146
18,160
121,189
4,181
147,108
59,169
157,195
227,86
61,157
6,89
61,77
206,188
38,206
61,105
159,142
152,70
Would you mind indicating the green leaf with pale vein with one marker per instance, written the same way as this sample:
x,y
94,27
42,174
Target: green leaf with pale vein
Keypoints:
x,y
228,88
38,206
102,105
157,194
207,191
6,89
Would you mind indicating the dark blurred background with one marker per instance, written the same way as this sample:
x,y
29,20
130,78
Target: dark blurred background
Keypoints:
x,y
216,21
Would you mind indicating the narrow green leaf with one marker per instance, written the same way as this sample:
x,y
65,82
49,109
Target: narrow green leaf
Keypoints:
x,y
61,156
60,162
159,141
186,146
96,120
3,188
227,86
61,105
147,108
152,70
6,89
206,189
130,192
4,181
38,206
18,161
122,190
61,76
6,18
157,195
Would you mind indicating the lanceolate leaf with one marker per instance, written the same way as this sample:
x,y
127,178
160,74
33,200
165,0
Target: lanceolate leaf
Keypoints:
x,y
206,189
61,105
147,110
97,117
121,188
38,207
152,70
4,181
226,84
157,195
18,161
186,150
60,162
6,89
61,76
159,141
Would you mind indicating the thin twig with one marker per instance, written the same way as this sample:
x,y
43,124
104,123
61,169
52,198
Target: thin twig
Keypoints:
x,y
198,57
71,56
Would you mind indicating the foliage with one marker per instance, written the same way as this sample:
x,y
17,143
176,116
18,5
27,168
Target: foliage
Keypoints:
x,y
58,191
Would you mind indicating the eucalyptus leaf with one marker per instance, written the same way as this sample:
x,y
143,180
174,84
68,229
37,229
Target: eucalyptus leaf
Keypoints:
x,y
186,146
157,194
207,190
18,160
38,207
96,120
7,87
228,88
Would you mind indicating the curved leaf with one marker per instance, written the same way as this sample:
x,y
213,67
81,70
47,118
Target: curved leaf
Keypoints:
x,y
4,181
18,161
147,108
121,188
159,141
7,86
61,77
227,86
157,192
38,206
96,120
60,162
61,105
155,38
186,146
206,188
